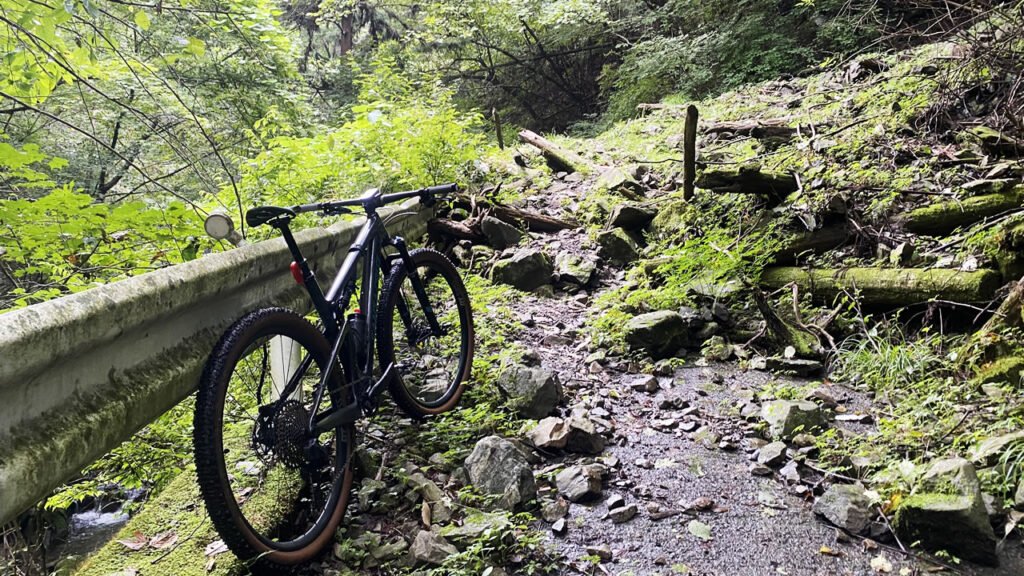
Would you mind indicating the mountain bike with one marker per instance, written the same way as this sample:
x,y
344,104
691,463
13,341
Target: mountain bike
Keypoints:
x,y
279,395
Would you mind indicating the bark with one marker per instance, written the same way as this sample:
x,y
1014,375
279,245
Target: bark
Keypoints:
x,y
816,242
942,218
888,287
534,222
558,158
451,228
689,152
784,334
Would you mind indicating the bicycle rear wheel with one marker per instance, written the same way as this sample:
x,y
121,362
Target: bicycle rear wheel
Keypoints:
x,y
275,495
431,363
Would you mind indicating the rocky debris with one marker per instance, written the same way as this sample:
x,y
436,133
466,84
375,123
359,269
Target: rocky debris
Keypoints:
x,y
643,383
947,512
579,483
618,247
670,219
716,349
797,366
369,493
614,179
574,269
550,433
554,510
430,548
583,436
603,552
788,417
525,270
790,473
533,391
847,506
496,466
500,234
622,513
631,216
988,451
558,527
615,501
575,434
659,333
772,454
474,525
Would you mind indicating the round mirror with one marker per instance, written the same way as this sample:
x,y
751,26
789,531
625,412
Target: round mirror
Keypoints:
x,y
219,225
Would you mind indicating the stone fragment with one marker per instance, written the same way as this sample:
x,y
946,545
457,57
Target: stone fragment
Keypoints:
x,y
797,366
496,467
772,454
583,437
603,552
554,510
622,513
659,333
788,417
847,506
430,548
500,234
617,247
474,525
578,483
574,269
614,179
631,216
534,391
526,270
947,512
550,433
644,383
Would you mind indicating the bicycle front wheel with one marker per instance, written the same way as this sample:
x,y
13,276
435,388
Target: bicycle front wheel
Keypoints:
x,y
428,336
275,494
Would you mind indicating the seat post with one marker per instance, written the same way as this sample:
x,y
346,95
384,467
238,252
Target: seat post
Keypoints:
x,y
308,277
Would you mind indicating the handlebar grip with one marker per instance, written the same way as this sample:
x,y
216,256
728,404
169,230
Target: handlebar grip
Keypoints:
x,y
441,189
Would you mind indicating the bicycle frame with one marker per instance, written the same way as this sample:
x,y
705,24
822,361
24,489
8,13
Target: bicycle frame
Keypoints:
x,y
368,249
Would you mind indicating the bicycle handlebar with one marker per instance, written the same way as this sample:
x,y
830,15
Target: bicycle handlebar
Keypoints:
x,y
368,201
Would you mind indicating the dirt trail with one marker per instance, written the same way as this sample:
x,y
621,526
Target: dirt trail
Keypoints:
x,y
683,456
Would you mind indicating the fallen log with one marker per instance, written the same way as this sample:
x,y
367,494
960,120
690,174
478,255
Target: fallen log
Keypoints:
x,y
887,287
460,230
998,143
534,222
559,159
942,218
816,242
773,130
749,179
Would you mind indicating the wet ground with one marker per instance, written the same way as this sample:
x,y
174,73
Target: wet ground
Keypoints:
x,y
686,465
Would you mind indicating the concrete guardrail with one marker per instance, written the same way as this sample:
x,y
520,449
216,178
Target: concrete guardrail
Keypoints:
x,y
82,373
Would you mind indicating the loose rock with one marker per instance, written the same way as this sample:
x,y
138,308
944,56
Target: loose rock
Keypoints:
x,y
622,514
534,391
618,247
526,270
578,483
772,454
500,234
660,333
496,467
847,506
787,417
430,548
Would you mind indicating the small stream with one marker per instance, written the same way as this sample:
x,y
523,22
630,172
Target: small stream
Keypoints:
x,y
89,529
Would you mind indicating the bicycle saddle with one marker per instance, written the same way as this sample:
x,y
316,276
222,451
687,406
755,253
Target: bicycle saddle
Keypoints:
x,y
263,214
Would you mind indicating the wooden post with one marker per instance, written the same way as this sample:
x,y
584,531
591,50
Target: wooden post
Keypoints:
x,y
689,152
497,128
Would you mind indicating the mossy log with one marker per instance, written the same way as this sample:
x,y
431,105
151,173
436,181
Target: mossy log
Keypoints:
x,y
943,217
772,130
816,242
998,143
888,287
559,159
748,179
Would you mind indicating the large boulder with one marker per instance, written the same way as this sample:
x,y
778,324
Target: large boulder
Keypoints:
x,y
497,467
947,512
616,180
846,506
659,333
788,417
526,270
631,216
500,234
618,247
574,269
534,392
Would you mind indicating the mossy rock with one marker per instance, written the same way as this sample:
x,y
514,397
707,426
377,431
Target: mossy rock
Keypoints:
x,y
1006,370
671,219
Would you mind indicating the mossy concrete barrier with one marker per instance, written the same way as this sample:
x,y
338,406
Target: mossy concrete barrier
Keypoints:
x,y
888,287
82,373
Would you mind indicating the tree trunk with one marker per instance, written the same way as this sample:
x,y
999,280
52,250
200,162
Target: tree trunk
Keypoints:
x,y
944,217
888,287
689,152
558,158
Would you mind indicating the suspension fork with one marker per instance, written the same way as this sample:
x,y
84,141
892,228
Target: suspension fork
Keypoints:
x,y
417,286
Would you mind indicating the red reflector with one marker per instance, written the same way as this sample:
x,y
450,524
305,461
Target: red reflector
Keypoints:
x,y
357,311
297,272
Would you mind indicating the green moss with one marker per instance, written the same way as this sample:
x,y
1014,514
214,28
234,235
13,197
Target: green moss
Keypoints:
x,y
178,508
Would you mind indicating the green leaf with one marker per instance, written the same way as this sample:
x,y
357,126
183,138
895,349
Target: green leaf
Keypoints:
x,y
196,47
699,529
142,20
